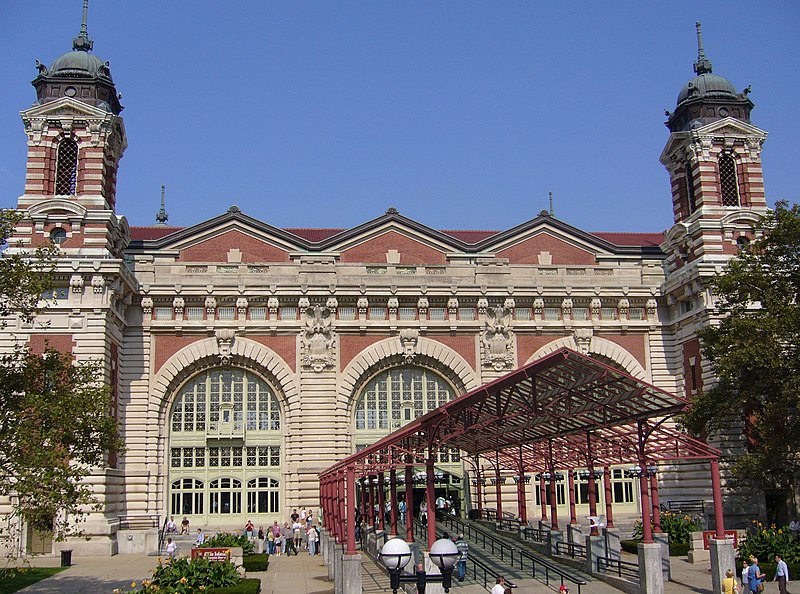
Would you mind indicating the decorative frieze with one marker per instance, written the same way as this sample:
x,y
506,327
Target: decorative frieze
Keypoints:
x,y
317,339
409,338
497,344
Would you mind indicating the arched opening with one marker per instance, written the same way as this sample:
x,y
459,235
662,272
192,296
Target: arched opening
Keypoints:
x,y
225,441
67,168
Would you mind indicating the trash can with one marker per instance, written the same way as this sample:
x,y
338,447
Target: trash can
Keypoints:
x,y
66,558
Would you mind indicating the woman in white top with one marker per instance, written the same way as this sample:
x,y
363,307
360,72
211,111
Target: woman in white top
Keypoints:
x,y
172,548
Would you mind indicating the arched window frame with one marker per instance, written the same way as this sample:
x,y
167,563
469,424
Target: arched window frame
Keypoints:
x,y
188,496
728,179
66,180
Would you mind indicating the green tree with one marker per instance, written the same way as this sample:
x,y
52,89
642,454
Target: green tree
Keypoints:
x,y
55,414
754,352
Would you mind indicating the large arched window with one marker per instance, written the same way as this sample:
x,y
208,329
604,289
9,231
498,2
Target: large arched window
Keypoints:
x,y
397,396
67,168
728,182
225,434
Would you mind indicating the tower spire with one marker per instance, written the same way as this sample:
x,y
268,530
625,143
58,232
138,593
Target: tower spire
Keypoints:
x,y
703,64
162,215
82,41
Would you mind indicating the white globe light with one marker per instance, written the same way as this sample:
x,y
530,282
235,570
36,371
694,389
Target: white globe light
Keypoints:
x,y
395,554
444,553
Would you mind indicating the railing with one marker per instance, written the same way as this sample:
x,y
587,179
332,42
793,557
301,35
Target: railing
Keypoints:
x,y
518,559
536,535
161,534
571,549
621,568
512,524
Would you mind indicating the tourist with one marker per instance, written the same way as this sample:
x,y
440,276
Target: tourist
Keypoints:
x,y
185,525
755,579
423,512
288,539
201,538
401,508
172,549
248,529
500,586
311,535
270,542
781,574
463,548
172,526
297,536
729,583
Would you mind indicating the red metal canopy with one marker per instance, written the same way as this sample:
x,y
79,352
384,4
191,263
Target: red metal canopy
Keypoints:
x,y
565,410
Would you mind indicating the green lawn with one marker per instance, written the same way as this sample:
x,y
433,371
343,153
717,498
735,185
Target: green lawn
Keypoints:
x,y
26,578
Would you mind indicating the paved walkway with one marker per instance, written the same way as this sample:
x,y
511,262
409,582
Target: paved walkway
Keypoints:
x,y
303,574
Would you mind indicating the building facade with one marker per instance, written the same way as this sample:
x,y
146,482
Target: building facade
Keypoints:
x,y
244,359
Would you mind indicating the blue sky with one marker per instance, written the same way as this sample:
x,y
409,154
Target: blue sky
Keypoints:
x,y
462,115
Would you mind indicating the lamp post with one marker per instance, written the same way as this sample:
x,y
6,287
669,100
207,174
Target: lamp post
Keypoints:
x,y
395,555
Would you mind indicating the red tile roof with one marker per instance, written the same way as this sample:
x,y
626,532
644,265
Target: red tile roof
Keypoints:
x,y
470,236
314,235
150,233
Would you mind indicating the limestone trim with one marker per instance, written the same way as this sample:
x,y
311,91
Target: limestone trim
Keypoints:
x,y
389,352
598,346
205,354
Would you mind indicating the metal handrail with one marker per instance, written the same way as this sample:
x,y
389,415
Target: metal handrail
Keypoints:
x,y
536,535
516,558
569,549
618,566
162,533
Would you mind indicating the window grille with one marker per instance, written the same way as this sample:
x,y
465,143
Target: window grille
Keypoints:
x,y
728,183
377,313
552,313
407,313
437,313
163,313
347,313
258,313
608,313
580,313
58,236
523,313
194,313
67,168
635,313
226,313
466,313
288,313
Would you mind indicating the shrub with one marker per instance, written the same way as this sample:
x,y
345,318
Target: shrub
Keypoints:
x,y
630,546
764,542
226,539
678,526
257,562
188,576
679,549
246,586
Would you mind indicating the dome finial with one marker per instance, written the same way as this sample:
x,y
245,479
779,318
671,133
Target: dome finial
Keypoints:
x,y
703,64
82,41
162,215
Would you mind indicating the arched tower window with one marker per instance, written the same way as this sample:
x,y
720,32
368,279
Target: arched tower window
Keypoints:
x,y
689,180
728,182
67,168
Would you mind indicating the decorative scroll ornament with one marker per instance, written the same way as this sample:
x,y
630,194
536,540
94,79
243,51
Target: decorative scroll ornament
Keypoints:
x,y
583,339
147,306
408,338
98,283
317,339
497,344
178,305
76,282
225,338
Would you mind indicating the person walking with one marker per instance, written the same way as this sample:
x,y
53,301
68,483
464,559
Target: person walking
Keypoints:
x,y
729,583
463,548
755,579
288,539
311,535
500,585
781,574
172,549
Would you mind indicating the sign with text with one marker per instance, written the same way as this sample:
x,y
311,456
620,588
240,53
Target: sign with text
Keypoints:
x,y
709,534
223,555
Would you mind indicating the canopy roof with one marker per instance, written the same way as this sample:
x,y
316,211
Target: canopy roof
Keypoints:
x,y
565,410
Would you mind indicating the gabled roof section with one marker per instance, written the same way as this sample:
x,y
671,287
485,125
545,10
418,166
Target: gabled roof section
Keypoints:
x,y
65,106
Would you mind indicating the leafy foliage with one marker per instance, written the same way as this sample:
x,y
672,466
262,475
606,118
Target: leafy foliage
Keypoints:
x,y
256,562
54,426
23,276
678,526
755,352
764,542
226,539
188,576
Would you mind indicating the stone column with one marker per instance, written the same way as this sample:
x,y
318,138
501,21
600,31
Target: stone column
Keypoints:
x,y
613,546
662,538
722,559
556,536
351,574
595,547
651,578
338,569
